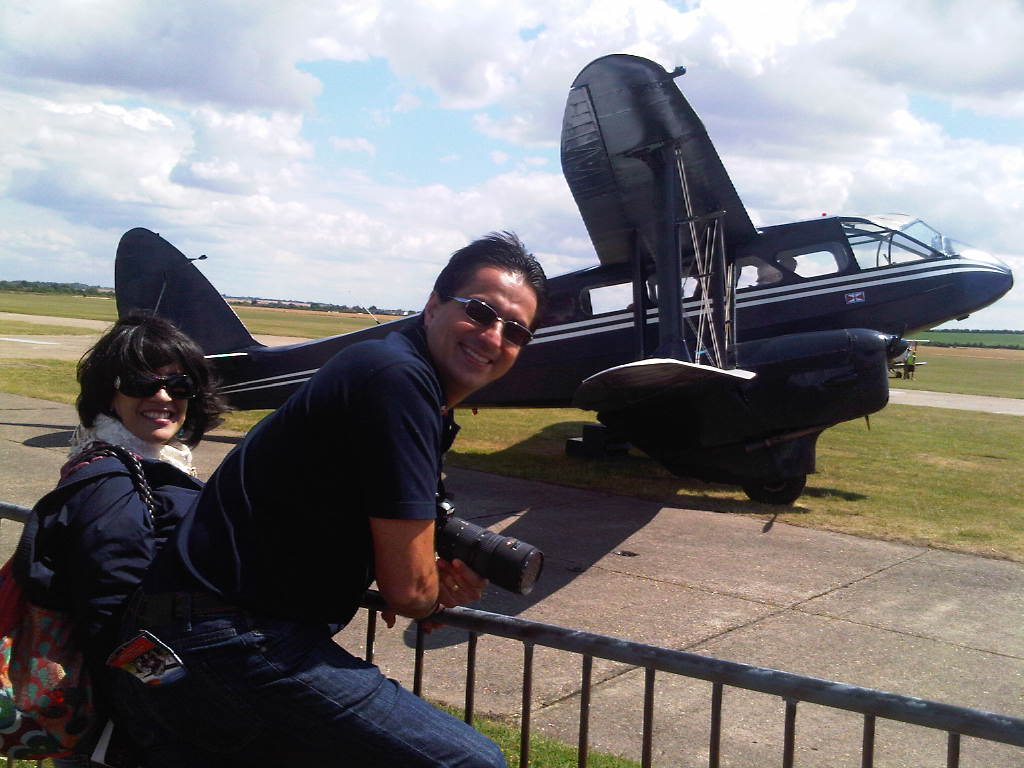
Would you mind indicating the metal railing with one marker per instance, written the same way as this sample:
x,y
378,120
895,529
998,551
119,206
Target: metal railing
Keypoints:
x,y
872,704
13,512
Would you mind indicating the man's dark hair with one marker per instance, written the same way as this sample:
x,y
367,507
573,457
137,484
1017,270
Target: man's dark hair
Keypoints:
x,y
140,344
503,250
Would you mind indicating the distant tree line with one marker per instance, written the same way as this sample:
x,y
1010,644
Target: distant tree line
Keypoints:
x,y
314,306
81,289
373,309
967,337
34,286
974,330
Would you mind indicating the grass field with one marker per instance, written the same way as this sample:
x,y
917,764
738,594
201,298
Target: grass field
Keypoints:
x,y
306,324
968,371
18,328
259,320
59,305
966,339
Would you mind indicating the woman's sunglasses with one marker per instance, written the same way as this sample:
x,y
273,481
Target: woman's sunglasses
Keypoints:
x,y
178,385
483,314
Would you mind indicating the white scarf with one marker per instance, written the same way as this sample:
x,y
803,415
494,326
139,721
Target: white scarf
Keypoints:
x,y
109,430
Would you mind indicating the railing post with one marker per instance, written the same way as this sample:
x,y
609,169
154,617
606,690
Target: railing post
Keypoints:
x,y
867,754
524,732
584,740
789,737
648,737
470,676
953,750
371,633
716,725
417,673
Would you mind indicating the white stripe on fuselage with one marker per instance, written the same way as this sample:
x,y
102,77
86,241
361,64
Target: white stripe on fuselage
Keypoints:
x,y
857,283
814,287
242,386
283,380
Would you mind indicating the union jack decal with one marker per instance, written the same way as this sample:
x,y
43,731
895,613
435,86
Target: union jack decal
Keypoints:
x,y
855,297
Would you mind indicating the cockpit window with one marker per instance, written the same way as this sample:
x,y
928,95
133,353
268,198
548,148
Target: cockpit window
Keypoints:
x,y
814,260
688,289
878,246
610,298
806,261
754,271
927,235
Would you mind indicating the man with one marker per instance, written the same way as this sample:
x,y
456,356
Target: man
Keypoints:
x,y
335,489
910,364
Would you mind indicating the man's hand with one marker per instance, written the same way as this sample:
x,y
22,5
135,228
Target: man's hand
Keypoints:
x,y
458,584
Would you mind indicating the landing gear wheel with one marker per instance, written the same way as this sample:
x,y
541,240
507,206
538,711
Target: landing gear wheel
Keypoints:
x,y
783,491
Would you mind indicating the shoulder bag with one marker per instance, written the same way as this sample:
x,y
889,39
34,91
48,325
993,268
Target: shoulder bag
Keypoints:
x,y
46,699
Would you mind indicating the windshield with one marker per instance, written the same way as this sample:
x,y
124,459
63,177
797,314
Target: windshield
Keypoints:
x,y
895,240
970,252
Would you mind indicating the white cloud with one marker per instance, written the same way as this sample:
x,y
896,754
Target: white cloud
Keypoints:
x,y
233,54
355,144
197,119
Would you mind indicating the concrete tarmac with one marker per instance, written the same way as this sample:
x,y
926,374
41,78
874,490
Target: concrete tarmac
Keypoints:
x,y
911,620
1009,406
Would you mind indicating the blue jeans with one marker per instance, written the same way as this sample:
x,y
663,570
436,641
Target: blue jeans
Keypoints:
x,y
283,693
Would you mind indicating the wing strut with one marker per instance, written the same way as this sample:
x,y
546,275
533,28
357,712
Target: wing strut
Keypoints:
x,y
712,333
706,333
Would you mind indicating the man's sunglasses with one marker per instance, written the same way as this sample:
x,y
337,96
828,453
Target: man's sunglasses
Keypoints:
x,y
178,385
483,314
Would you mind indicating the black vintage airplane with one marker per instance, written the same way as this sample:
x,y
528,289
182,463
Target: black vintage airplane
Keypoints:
x,y
720,349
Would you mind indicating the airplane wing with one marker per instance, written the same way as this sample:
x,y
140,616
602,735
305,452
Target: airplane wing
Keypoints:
x,y
625,386
619,108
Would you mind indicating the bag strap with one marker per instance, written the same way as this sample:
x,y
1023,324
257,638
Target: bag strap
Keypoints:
x,y
131,462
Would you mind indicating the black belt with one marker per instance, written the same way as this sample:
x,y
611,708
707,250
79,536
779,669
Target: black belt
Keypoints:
x,y
170,607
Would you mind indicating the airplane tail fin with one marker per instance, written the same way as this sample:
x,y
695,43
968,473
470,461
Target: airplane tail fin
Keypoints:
x,y
151,275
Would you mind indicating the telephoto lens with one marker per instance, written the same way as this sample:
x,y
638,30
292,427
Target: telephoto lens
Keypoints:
x,y
505,561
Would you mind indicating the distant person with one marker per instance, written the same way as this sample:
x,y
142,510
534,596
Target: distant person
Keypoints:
x,y
335,489
147,387
910,364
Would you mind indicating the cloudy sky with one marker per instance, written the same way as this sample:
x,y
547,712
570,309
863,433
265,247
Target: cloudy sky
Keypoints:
x,y
339,150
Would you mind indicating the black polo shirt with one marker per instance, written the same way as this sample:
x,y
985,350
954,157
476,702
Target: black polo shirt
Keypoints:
x,y
282,526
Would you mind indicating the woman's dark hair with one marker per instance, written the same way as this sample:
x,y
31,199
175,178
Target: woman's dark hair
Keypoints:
x,y
140,344
503,250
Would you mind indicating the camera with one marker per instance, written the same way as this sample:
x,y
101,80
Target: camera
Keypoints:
x,y
507,562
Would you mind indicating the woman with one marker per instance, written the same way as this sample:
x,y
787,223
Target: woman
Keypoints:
x,y
144,386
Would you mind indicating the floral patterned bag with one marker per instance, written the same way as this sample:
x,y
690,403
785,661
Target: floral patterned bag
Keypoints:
x,y
46,703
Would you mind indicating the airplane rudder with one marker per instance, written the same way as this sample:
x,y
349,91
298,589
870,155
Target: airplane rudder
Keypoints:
x,y
151,275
